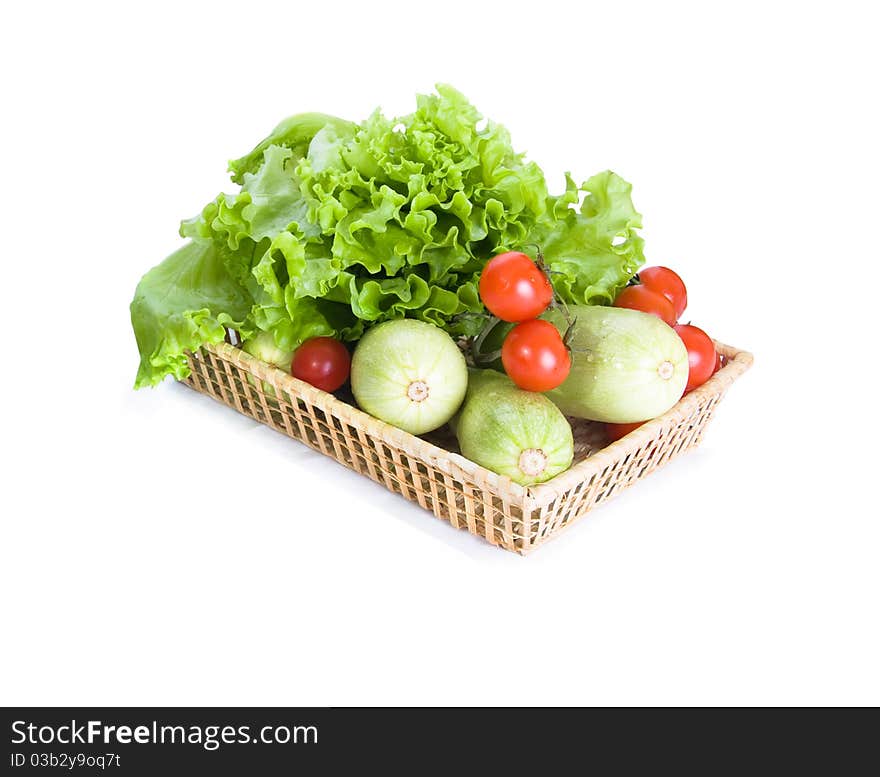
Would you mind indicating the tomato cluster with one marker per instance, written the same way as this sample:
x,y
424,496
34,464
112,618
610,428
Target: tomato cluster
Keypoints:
x,y
662,293
517,290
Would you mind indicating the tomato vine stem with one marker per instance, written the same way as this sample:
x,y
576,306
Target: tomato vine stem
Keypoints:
x,y
477,343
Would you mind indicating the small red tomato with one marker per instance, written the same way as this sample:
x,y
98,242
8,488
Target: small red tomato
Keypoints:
x,y
642,298
664,281
615,431
701,355
514,288
534,356
719,363
323,362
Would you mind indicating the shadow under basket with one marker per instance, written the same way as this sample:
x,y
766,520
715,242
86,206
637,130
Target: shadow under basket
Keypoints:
x,y
430,470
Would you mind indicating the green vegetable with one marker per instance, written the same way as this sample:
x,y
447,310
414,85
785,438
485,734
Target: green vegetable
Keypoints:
x,y
627,366
295,133
592,251
186,301
339,226
263,347
410,374
516,433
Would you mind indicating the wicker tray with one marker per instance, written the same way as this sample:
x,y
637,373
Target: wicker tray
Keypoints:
x,y
429,470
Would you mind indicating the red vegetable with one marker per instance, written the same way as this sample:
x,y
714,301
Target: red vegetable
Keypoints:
x,y
701,355
514,288
662,280
535,357
615,431
642,298
323,362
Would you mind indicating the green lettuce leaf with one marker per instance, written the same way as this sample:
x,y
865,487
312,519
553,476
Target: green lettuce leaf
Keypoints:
x,y
294,133
186,301
593,251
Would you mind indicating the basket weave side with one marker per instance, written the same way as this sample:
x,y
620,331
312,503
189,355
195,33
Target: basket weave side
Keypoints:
x,y
442,481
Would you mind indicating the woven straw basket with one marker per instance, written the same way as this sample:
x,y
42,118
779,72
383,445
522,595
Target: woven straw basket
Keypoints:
x,y
431,472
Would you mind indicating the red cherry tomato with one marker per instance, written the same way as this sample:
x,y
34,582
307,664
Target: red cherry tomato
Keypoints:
x,y
642,298
664,281
323,362
514,288
615,431
719,363
701,355
534,356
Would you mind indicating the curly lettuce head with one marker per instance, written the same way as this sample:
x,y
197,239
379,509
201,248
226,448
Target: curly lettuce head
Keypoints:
x,y
337,226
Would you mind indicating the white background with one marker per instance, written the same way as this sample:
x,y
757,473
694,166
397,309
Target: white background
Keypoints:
x,y
157,548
